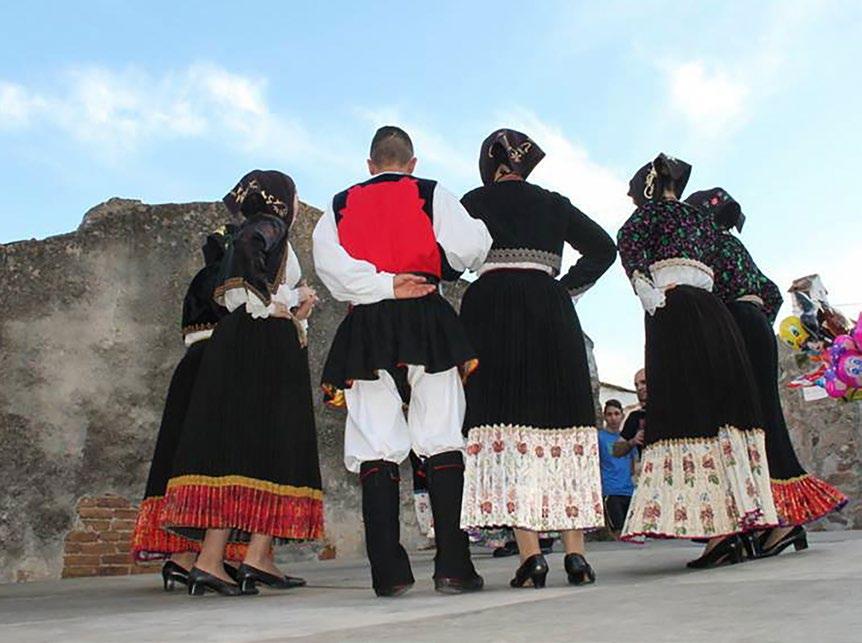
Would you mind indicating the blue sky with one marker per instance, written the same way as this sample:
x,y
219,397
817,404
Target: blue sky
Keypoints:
x,y
165,101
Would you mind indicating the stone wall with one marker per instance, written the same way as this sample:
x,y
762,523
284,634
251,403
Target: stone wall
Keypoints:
x,y
827,435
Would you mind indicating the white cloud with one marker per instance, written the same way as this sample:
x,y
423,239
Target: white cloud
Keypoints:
x,y
715,95
119,111
709,99
17,105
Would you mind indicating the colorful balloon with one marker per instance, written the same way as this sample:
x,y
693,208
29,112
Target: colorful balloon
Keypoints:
x,y
849,370
834,386
857,332
793,333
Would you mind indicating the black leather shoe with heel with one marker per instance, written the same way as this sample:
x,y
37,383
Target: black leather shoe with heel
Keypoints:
x,y
727,552
248,577
796,537
201,582
173,574
579,571
534,569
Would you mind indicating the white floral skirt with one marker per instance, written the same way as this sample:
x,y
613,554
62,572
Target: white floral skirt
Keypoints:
x,y
702,488
537,479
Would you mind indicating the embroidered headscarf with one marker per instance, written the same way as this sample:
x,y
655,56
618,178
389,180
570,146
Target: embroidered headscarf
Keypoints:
x,y
650,182
263,192
515,152
723,207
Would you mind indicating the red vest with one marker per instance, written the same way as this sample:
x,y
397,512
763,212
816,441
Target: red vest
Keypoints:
x,y
388,221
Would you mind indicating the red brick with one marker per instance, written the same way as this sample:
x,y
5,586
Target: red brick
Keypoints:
x,y
77,572
123,547
88,502
81,560
113,502
114,570
122,525
97,524
327,553
115,559
98,548
96,512
116,536
81,537
73,548
129,514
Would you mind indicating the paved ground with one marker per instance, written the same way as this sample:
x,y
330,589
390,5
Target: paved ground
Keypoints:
x,y
643,594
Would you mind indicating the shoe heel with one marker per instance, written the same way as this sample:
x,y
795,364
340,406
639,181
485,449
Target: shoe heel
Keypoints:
x,y
170,584
801,543
248,586
196,589
539,579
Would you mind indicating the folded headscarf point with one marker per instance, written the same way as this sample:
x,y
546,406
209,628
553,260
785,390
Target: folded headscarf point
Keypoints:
x,y
717,202
650,181
267,191
514,151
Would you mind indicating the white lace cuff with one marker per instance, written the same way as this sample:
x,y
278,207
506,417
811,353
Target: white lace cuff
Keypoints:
x,y
651,297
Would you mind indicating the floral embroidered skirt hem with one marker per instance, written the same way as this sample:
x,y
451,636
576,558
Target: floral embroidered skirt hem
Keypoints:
x,y
532,478
702,488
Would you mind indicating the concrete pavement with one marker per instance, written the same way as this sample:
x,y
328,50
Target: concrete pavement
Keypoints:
x,y
643,593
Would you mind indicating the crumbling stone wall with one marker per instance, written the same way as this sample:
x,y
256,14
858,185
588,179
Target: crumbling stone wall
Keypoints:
x,y
827,435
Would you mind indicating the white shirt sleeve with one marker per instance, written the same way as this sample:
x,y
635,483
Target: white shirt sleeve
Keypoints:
x,y
465,240
348,279
288,293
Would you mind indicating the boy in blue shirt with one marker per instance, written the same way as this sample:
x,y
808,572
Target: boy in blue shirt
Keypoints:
x,y
617,485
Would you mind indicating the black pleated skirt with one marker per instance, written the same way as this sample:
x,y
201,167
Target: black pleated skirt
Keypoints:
x,y
394,332
247,458
533,368
704,472
799,496
699,376
149,540
532,453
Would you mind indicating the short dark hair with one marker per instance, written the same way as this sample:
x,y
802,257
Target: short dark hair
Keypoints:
x,y
615,403
391,146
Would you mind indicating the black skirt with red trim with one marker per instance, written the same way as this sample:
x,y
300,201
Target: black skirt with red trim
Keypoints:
x,y
394,332
799,496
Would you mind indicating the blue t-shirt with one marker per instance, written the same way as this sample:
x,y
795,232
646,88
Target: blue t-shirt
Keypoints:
x,y
616,472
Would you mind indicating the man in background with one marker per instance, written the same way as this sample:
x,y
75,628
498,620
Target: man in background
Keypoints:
x,y
632,434
617,486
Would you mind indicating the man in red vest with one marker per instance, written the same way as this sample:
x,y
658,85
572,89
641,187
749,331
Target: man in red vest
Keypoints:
x,y
382,246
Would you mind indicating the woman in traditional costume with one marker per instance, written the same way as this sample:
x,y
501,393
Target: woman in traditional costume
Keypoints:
x,y
704,471
753,301
247,470
532,457
199,317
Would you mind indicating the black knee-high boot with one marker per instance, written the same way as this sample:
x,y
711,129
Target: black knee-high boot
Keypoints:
x,y
453,570
390,567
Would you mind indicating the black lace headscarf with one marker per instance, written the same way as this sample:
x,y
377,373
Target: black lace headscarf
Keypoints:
x,y
263,192
723,207
255,259
650,182
511,151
